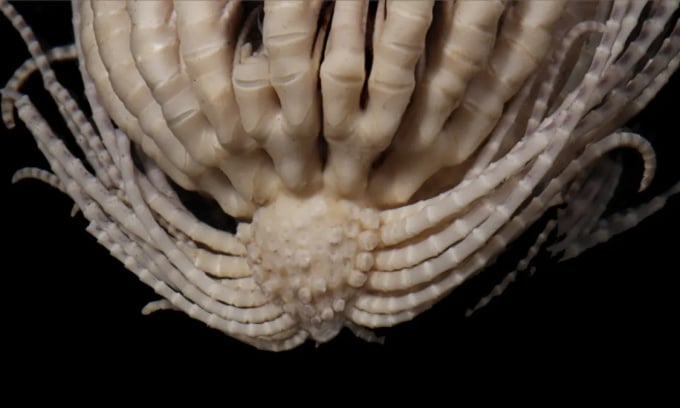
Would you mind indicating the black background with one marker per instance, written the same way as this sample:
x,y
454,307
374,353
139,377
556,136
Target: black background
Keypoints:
x,y
66,301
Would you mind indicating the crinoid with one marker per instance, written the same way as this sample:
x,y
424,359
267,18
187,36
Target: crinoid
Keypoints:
x,y
280,170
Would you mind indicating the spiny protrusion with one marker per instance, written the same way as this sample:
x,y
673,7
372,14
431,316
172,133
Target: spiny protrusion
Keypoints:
x,y
311,255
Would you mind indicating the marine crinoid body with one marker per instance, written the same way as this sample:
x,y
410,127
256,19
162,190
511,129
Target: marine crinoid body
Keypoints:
x,y
374,155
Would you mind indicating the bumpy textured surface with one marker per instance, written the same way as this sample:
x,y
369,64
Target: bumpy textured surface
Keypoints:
x,y
311,254
375,154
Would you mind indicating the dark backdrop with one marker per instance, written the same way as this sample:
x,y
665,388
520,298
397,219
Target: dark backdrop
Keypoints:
x,y
66,301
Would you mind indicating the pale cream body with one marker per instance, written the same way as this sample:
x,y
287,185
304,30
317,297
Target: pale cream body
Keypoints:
x,y
365,194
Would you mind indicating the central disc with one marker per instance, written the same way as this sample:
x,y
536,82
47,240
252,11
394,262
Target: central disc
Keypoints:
x,y
310,254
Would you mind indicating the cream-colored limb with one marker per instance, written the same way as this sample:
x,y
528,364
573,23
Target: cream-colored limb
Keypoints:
x,y
403,223
543,90
155,43
35,173
437,242
522,44
201,286
92,147
188,224
118,222
275,84
421,216
458,258
130,218
289,36
207,32
21,75
218,265
575,223
356,134
105,36
84,134
121,90
467,34
627,84
219,254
